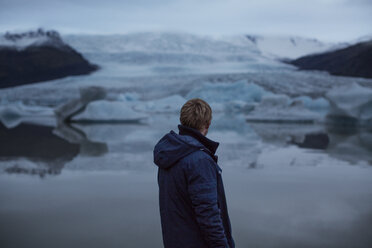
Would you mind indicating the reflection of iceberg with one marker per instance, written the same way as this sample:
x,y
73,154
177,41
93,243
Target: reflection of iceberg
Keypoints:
x,y
33,149
280,134
314,141
350,105
76,136
20,167
352,147
276,157
40,150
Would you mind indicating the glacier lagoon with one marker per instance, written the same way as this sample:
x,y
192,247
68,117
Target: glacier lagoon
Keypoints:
x,y
288,185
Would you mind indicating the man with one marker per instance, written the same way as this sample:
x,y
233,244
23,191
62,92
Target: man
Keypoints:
x,y
192,199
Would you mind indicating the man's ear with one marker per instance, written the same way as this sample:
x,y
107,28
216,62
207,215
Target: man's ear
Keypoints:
x,y
208,124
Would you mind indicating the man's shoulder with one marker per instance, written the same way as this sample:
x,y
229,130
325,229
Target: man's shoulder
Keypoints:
x,y
196,158
197,155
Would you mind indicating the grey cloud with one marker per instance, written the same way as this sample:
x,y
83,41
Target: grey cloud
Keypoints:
x,y
323,19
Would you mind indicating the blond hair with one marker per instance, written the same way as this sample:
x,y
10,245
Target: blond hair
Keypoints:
x,y
196,113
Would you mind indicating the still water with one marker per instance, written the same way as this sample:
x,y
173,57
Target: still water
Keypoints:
x,y
95,185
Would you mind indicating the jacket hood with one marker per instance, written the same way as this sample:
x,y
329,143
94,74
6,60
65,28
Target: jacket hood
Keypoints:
x,y
173,147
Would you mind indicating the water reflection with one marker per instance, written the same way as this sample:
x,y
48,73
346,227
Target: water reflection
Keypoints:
x,y
77,136
351,145
50,148
106,186
37,144
314,141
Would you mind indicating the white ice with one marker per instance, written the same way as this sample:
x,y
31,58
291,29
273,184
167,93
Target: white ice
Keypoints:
x,y
289,47
280,108
170,104
103,110
228,92
12,114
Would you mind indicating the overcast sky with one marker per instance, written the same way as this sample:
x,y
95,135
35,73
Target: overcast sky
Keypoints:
x,y
327,20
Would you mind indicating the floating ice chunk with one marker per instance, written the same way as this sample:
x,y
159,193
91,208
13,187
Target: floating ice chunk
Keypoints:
x,y
20,109
170,104
352,101
318,104
217,107
108,111
128,97
227,92
15,113
89,94
276,108
274,101
238,107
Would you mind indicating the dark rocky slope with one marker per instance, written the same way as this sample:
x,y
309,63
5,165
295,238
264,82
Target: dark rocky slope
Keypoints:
x,y
354,61
38,56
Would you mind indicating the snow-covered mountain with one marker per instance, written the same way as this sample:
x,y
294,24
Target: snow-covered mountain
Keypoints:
x,y
37,56
238,47
158,64
287,46
170,42
164,48
21,41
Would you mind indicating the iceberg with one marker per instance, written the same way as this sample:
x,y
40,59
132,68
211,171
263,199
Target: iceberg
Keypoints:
x,y
281,109
170,104
108,111
227,92
350,105
65,111
318,104
12,114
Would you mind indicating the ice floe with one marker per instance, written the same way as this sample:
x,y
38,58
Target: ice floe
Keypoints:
x,y
227,92
13,114
108,111
170,104
280,108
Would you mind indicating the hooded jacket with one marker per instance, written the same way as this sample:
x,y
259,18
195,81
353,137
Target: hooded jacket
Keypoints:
x,y
192,199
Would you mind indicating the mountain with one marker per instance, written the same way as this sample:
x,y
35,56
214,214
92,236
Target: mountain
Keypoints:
x,y
212,48
37,56
289,47
353,61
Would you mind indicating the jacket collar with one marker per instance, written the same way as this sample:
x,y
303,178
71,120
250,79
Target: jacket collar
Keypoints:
x,y
209,144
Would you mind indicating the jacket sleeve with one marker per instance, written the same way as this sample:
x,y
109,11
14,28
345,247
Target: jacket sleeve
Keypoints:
x,y
202,189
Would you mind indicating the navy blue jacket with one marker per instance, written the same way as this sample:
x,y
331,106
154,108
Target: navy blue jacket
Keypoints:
x,y
192,199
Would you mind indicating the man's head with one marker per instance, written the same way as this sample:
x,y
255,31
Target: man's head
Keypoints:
x,y
197,114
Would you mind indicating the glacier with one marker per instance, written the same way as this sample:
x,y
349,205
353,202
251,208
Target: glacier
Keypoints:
x,y
156,72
